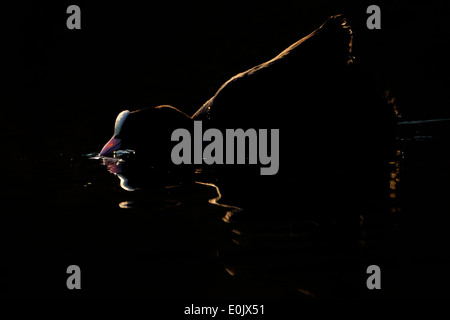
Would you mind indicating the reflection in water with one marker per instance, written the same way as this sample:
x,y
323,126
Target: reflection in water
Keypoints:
x,y
124,182
307,293
288,248
114,165
215,200
264,238
395,168
282,241
230,271
126,204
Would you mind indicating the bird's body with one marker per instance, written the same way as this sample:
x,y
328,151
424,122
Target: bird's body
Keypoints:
x,y
332,121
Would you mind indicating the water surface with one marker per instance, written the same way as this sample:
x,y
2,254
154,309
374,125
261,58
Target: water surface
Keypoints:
x,y
192,239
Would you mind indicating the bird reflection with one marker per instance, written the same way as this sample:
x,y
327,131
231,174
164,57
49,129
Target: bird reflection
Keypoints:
x,y
337,132
215,201
394,181
114,166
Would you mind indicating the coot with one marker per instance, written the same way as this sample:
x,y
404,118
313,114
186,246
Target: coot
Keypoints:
x,y
333,121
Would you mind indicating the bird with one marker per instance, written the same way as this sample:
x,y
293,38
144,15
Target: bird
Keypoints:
x,y
329,113
145,130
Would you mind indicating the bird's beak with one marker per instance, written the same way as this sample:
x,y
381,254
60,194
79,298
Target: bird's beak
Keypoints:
x,y
112,145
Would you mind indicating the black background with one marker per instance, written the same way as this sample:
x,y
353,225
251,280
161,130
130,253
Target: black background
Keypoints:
x,y
65,87
131,55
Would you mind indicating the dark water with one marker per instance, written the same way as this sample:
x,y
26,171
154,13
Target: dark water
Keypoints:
x,y
208,238
190,241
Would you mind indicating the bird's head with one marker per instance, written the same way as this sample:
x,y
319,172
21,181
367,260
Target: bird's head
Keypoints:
x,y
146,131
115,143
